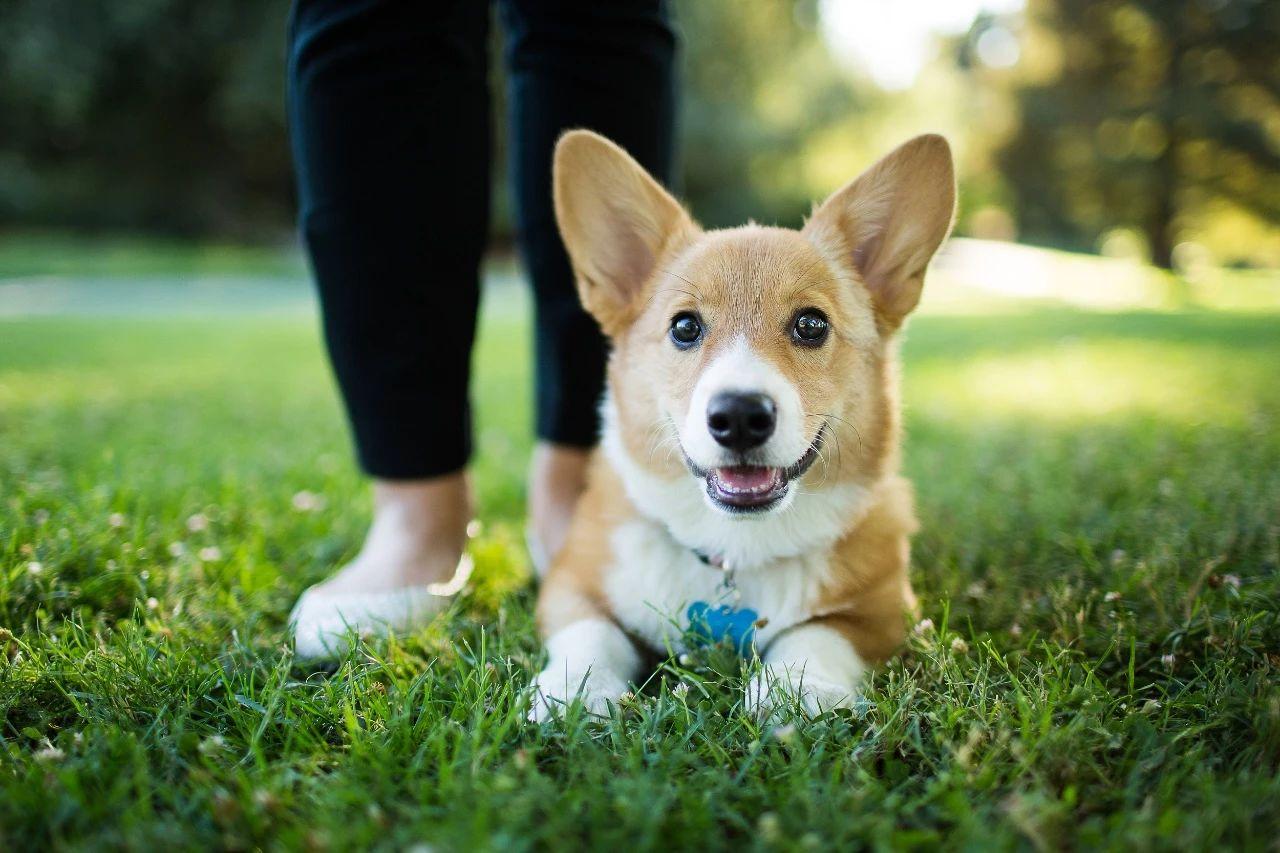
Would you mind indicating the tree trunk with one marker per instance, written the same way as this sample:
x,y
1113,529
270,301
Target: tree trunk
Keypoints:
x,y
1159,225
1164,194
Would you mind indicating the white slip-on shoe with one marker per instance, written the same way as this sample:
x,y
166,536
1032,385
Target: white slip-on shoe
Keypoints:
x,y
323,623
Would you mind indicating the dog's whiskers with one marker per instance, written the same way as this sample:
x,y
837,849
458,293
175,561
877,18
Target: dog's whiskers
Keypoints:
x,y
656,438
809,286
685,280
800,278
832,417
694,296
824,453
663,434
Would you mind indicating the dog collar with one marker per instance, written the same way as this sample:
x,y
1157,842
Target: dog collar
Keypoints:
x,y
724,621
717,561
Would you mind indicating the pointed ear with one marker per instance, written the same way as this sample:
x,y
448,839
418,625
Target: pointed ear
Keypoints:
x,y
889,221
616,221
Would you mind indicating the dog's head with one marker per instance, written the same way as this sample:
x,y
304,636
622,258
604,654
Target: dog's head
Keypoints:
x,y
753,360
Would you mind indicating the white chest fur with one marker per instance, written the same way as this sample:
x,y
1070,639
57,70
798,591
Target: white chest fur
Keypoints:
x,y
810,519
653,580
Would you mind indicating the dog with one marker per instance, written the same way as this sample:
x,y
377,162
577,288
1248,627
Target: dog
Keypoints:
x,y
746,487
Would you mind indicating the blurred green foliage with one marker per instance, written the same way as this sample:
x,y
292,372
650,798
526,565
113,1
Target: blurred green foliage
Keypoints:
x,y
1129,126
150,115
1151,113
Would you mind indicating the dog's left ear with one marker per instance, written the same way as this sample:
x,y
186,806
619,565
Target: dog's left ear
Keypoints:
x,y
888,222
617,223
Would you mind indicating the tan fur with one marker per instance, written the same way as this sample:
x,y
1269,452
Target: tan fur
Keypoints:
x,y
601,201
869,591
571,590
860,259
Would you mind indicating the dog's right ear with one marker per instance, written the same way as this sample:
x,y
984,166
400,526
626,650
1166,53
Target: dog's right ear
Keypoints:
x,y
617,223
888,223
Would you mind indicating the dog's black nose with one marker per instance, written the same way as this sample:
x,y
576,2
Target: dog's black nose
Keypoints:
x,y
741,421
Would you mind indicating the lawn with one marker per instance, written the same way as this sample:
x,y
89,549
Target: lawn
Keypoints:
x,y
1099,564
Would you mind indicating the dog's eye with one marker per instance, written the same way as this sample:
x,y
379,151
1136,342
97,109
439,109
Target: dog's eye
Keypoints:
x,y
686,330
811,328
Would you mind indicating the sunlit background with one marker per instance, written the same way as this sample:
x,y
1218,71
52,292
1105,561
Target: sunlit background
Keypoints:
x,y
1137,129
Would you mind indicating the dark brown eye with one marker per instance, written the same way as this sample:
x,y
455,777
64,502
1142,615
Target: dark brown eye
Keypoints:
x,y
811,328
686,329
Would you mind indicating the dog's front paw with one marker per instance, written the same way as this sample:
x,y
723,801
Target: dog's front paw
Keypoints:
x,y
554,691
777,691
590,661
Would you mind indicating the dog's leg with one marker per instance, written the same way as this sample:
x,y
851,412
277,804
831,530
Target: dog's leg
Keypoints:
x,y
813,664
589,657
821,662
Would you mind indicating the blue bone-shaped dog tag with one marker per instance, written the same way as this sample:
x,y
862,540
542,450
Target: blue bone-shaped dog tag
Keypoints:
x,y
714,624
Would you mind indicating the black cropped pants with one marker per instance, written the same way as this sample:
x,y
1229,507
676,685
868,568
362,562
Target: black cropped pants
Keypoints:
x,y
389,117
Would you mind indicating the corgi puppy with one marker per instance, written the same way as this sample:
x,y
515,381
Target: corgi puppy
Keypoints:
x,y
746,487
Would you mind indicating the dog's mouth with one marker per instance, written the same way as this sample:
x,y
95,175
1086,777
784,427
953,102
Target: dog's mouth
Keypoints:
x,y
746,487
754,488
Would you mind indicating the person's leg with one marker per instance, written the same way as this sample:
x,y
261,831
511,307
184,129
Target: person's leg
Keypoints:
x,y
389,122
609,67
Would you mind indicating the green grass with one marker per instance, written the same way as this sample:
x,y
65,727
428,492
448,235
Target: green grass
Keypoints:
x,y
54,254
1100,558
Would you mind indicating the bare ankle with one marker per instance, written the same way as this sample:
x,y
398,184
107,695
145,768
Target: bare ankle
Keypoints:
x,y
434,510
418,533
557,478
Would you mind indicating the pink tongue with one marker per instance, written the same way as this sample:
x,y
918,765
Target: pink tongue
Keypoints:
x,y
747,478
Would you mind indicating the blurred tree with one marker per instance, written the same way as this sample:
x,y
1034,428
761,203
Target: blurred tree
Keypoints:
x,y
154,114
1156,115
167,115
1140,113
759,87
